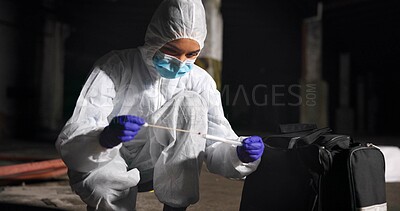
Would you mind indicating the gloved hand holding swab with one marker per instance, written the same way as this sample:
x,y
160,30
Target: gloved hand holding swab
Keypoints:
x,y
206,136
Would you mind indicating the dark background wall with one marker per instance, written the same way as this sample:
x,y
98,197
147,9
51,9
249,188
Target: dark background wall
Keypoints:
x,y
98,27
369,31
262,61
20,80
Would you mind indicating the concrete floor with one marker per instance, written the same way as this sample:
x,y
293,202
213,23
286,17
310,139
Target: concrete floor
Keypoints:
x,y
217,193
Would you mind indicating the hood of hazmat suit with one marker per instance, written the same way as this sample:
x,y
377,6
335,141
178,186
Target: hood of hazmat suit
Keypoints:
x,y
125,82
174,20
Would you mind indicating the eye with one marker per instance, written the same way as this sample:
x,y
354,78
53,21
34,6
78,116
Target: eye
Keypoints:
x,y
192,55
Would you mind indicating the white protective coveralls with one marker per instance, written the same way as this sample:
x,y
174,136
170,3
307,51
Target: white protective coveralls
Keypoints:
x,y
125,82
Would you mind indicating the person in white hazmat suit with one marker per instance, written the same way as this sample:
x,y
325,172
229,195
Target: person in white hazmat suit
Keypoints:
x,y
109,153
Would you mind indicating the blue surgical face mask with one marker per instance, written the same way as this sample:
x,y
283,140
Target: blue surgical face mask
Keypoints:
x,y
171,67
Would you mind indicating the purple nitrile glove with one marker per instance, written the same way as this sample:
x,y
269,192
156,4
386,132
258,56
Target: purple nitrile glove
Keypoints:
x,y
121,129
251,150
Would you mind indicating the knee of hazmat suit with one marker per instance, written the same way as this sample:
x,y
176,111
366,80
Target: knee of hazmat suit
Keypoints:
x,y
125,82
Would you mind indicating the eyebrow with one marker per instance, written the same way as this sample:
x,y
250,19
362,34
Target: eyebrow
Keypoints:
x,y
196,51
175,49
171,47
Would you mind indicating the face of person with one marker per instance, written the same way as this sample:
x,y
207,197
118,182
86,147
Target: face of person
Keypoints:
x,y
182,49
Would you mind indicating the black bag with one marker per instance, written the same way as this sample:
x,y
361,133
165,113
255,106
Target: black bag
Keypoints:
x,y
310,169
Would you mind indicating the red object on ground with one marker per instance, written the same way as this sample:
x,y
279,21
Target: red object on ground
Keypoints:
x,y
34,170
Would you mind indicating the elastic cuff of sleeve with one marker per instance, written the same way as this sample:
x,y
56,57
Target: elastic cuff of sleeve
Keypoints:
x,y
243,168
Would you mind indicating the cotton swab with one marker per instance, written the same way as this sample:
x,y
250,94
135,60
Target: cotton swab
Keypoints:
x,y
224,140
206,136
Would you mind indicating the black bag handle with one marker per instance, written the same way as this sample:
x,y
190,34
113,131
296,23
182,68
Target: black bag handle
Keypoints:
x,y
310,138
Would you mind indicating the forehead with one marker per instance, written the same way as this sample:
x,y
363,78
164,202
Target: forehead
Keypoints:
x,y
184,44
